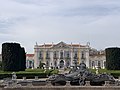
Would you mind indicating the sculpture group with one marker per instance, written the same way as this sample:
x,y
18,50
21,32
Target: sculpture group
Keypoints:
x,y
78,75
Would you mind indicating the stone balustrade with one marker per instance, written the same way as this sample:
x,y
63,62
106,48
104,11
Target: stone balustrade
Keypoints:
x,y
36,78
24,78
48,83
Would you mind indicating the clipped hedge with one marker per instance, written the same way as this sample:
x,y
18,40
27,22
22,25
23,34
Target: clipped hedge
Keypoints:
x,y
113,58
4,75
29,73
115,75
13,57
21,75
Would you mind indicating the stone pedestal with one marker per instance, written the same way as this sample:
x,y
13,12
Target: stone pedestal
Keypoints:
x,y
107,83
48,83
36,78
87,83
9,84
24,78
67,83
119,78
29,84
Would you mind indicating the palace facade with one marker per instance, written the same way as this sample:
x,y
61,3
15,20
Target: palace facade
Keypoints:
x,y
97,59
61,55
29,60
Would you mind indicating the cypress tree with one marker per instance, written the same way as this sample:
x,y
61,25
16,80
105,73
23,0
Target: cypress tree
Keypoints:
x,y
113,58
22,59
12,57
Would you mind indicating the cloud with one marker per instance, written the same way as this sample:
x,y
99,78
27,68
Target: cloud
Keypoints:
x,y
46,21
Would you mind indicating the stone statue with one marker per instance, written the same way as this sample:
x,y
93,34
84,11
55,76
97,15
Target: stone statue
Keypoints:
x,y
14,77
97,70
81,74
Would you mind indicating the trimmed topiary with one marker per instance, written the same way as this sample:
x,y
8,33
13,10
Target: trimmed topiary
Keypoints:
x,y
13,57
113,58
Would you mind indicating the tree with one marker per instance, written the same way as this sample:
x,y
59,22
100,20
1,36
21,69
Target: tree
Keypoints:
x,y
13,57
0,65
22,59
113,58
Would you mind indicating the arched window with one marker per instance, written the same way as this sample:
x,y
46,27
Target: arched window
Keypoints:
x,y
61,64
93,64
47,63
99,64
104,63
67,63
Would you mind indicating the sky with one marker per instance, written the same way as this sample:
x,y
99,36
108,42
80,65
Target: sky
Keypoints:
x,y
46,21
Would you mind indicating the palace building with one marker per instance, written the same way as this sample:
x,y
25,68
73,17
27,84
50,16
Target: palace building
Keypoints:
x,y
97,59
29,60
61,55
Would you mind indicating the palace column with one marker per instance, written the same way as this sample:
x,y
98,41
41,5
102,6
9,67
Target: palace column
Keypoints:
x,y
36,57
71,57
51,59
87,58
58,61
79,56
44,56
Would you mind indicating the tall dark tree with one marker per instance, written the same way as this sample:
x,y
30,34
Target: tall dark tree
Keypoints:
x,y
22,59
113,58
0,65
12,57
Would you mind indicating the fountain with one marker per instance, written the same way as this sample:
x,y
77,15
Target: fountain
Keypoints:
x,y
79,75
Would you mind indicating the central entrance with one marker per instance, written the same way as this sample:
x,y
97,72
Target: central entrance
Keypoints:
x,y
61,64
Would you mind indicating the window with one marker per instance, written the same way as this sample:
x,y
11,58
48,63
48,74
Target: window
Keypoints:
x,y
83,55
47,55
47,63
61,55
75,56
55,54
55,63
67,64
93,64
30,64
99,64
40,55
104,63
68,55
